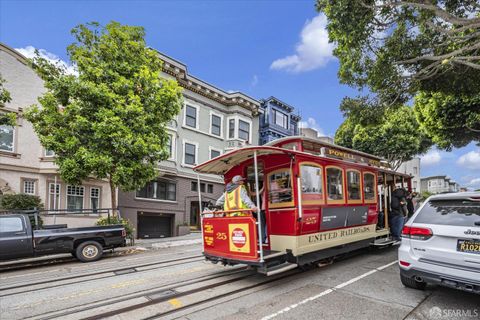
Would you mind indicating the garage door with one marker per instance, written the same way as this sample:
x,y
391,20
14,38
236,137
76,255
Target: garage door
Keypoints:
x,y
151,225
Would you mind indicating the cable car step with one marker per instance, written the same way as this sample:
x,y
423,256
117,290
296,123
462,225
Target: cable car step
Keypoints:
x,y
383,242
279,268
269,254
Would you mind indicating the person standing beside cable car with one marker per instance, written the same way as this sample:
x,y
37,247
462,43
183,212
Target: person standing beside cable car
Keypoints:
x,y
236,197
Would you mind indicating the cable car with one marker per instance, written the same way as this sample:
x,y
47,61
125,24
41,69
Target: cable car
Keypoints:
x,y
320,200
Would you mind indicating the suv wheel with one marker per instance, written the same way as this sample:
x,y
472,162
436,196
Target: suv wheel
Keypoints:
x,y
412,283
89,251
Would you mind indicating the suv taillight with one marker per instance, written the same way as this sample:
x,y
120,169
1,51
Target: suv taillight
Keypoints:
x,y
124,233
417,233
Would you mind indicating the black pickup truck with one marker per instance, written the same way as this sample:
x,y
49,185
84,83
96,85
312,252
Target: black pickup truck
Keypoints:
x,y
19,240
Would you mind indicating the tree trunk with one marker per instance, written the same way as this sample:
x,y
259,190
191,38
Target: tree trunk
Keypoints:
x,y
113,194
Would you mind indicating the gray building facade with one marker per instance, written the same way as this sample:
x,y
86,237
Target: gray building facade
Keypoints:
x,y
211,122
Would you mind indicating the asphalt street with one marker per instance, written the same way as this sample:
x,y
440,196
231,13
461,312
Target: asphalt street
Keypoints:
x,y
176,283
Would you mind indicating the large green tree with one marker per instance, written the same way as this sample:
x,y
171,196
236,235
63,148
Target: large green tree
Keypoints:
x,y
450,120
390,133
398,48
7,118
109,121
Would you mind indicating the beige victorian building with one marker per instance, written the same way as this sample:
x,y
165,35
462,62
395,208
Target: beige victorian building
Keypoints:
x,y
25,166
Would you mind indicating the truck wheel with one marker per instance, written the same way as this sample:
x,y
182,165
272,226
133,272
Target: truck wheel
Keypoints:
x,y
412,283
89,251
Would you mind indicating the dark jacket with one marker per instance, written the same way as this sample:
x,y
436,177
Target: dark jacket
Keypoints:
x,y
398,201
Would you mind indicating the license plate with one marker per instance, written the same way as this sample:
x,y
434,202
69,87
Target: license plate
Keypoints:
x,y
468,246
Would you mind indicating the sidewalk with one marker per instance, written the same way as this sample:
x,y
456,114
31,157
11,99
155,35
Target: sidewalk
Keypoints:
x,y
160,243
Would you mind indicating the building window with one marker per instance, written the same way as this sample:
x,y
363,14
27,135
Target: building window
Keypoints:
x,y
202,187
75,197
243,130
414,185
210,188
312,183
415,170
231,128
280,191
280,119
29,186
216,125
94,198
353,185
49,153
6,137
214,153
159,190
190,154
194,186
191,116
369,187
335,184
53,196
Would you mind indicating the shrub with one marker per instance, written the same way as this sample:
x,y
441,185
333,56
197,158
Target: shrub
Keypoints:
x,y
21,201
105,221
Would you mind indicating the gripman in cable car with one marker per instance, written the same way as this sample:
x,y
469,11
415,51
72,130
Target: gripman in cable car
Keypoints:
x,y
318,201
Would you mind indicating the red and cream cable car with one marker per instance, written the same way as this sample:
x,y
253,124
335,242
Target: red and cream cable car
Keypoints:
x,y
321,200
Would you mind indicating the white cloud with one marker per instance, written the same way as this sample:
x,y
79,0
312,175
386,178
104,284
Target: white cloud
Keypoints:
x,y
254,80
432,157
474,183
312,123
470,160
313,51
29,52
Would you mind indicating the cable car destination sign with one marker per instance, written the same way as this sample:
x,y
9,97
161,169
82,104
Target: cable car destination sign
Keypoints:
x,y
343,155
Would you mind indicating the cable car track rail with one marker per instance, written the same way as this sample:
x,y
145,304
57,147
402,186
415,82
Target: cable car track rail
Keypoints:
x,y
241,272
108,273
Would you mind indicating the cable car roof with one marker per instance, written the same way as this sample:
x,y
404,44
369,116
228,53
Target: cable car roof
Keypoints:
x,y
221,164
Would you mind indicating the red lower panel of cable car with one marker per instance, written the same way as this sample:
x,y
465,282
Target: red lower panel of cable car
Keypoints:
x,y
233,238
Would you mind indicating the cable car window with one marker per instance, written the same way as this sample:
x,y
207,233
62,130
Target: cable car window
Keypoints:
x,y
335,184
353,185
251,181
369,186
312,183
280,187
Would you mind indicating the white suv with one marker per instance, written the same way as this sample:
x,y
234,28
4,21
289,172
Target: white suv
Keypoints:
x,y
441,243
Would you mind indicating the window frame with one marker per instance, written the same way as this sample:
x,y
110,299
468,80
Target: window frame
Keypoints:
x,y
197,111
184,142
375,186
285,117
249,130
34,181
167,182
354,201
236,123
173,139
281,204
98,197
338,201
14,145
50,194
313,164
66,196
213,113
210,149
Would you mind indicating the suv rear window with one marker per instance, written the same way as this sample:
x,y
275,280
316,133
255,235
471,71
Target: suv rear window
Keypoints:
x,y
450,212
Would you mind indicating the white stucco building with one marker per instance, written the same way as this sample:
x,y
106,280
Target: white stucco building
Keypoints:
x,y
25,166
412,168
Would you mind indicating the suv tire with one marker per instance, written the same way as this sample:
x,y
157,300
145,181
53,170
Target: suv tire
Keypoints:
x,y
412,283
89,251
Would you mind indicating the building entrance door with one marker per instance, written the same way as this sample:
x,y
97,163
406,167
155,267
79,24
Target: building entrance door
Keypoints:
x,y
195,214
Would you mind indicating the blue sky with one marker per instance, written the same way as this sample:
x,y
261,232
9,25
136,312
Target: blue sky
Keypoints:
x,y
261,48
